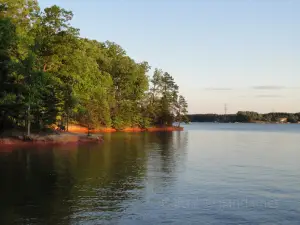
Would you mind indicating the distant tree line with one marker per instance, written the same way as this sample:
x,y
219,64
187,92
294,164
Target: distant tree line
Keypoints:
x,y
212,118
50,75
245,117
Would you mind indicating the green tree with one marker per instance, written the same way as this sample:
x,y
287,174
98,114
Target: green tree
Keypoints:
x,y
182,111
50,75
169,93
7,43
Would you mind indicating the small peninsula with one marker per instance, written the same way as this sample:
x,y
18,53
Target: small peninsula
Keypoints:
x,y
51,76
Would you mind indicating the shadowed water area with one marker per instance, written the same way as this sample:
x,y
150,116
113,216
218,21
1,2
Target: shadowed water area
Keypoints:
x,y
207,174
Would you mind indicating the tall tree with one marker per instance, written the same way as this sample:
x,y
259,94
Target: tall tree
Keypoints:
x,y
7,43
182,111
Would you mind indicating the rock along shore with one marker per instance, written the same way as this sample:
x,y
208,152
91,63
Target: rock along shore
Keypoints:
x,y
60,138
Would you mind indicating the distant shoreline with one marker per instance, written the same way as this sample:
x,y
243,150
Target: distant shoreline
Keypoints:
x,y
252,122
247,117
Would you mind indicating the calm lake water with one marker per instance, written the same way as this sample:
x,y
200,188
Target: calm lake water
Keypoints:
x,y
207,174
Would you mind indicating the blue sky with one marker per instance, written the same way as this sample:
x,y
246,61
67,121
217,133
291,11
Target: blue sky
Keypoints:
x,y
243,53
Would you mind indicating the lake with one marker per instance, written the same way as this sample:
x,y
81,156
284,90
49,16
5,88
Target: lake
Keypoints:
x,y
208,174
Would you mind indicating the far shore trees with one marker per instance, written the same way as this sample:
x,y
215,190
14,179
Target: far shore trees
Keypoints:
x,y
247,117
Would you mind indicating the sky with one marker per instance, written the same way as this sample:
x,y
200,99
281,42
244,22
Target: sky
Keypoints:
x,y
245,54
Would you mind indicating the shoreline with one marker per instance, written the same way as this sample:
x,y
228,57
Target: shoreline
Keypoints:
x,y
76,135
79,129
50,139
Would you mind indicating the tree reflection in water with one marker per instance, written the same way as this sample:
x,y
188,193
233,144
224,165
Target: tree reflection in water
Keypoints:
x,y
70,184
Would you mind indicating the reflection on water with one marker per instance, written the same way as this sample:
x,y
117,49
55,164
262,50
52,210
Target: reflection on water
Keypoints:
x,y
63,185
199,176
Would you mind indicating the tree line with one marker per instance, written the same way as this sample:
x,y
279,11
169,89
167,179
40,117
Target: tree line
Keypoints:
x,y
245,117
50,75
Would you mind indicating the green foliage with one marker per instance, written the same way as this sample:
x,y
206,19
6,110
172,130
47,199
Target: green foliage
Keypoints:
x,y
181,114
49,75
164,106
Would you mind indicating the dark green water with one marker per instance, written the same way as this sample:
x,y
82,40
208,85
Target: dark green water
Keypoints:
x,y
208,174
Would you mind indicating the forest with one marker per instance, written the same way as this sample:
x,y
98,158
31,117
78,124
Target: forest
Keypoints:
x,y
245,117
50,75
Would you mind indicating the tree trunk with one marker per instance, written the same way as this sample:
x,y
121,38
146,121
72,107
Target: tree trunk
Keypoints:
x,y
152,102
179,119
28,121
67,120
